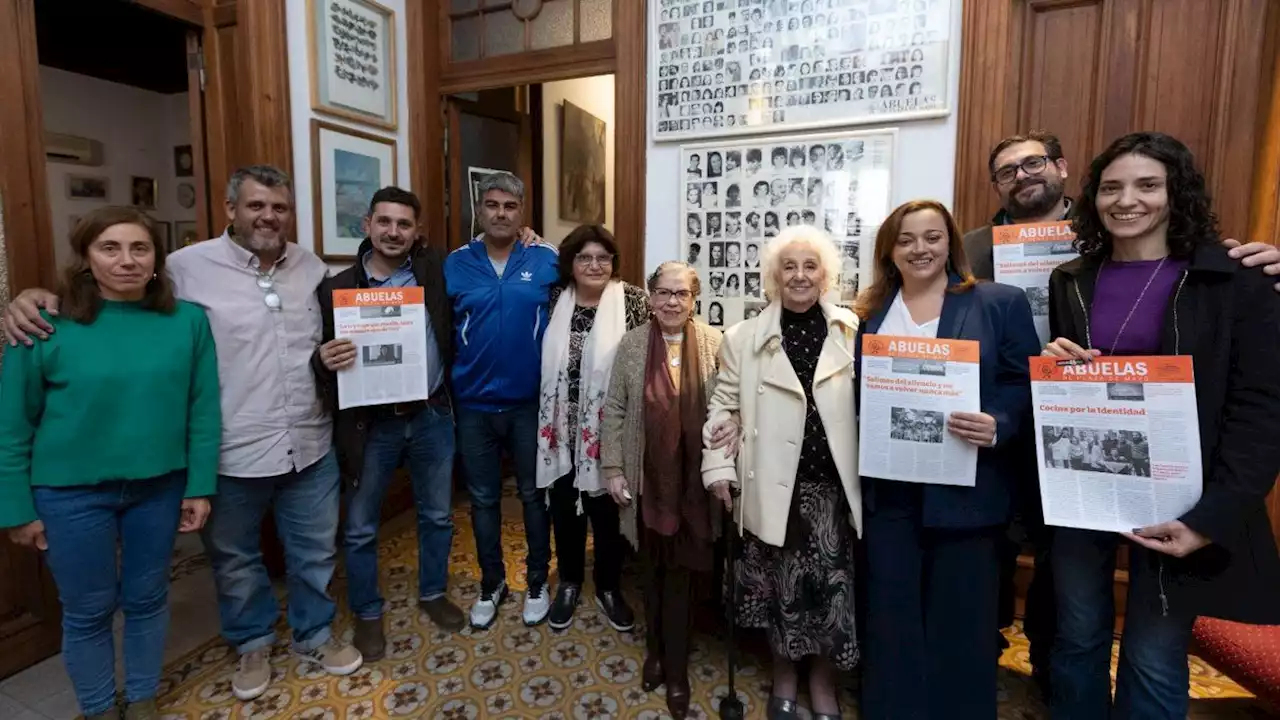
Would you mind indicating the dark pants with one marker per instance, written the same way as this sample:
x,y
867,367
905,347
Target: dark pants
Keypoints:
x,y
1040,616
481,439
1152,679
84,526
932,597
570,522
667,608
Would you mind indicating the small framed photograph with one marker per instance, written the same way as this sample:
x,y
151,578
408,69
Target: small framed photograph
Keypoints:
x,y
352,46
142,192
88,187
184,234
165,231
184,163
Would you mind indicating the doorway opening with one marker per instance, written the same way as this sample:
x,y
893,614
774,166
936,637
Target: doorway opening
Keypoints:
x,y
115,90
557,137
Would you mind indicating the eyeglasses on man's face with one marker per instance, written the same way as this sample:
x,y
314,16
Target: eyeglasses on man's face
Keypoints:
x,y
1033,165
588,259
662,295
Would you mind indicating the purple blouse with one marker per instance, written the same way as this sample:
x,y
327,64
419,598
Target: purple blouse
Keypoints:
x,y
1118,287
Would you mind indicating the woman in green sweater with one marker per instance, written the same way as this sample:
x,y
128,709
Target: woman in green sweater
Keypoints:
x,y
109,436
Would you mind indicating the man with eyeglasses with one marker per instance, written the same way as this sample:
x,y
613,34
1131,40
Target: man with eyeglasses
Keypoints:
x,y
500,293
259,291
371,441
1029,173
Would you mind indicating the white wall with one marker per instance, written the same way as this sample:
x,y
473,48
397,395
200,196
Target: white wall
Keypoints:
x,y
138,130
595,95
301,114
923,166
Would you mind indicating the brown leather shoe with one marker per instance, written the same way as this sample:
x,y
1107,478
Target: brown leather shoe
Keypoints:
x,y
370,640
444,614
651,674
678,698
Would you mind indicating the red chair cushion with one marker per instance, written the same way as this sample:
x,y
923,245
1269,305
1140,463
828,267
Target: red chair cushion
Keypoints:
x,y
1248,654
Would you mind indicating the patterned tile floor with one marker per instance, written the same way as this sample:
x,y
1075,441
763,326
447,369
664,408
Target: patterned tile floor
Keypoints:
x,y
511,671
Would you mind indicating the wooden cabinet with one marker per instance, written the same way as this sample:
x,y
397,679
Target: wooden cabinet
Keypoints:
x,y
30,617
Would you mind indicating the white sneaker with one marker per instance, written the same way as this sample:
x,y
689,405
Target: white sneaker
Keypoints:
x,y
485,611
537,604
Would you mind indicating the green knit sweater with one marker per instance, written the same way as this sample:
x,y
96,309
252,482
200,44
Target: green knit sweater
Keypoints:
x,y
131,396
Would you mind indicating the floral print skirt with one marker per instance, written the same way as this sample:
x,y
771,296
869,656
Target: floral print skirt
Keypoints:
x,y
803,593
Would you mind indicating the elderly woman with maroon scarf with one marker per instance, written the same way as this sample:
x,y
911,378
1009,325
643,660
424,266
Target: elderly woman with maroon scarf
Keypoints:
x,y
651,455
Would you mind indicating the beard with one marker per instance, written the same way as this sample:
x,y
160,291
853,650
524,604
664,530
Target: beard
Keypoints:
x,y
1043,202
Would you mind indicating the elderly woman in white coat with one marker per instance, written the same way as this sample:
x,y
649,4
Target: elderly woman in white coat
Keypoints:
x,y
788,376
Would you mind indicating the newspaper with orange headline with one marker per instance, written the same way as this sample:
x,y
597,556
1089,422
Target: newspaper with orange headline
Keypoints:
x,y
1118,440
389,329
1025,256
910,385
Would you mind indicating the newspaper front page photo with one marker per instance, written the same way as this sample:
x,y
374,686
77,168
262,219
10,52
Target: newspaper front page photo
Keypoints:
x,y
909,387
1117,440
1026,255
389,329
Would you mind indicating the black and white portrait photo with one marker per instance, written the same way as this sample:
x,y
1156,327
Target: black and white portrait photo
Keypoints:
x,y
736,67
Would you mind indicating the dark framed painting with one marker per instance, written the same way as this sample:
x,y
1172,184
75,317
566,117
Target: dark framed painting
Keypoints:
x,y
582,167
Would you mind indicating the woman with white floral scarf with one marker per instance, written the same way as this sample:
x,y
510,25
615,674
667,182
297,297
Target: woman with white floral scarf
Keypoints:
x,y
591,312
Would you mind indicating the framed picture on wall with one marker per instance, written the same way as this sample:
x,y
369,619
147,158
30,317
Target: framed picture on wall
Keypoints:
x,y
184,163
142,192
474,176
582,167
88,187
184,234
739,194
353,60
719,68
347,167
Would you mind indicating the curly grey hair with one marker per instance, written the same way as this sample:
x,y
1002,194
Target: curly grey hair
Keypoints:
x,y
802,236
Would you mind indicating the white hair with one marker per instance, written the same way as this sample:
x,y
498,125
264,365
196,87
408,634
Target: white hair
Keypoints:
x,y
799,236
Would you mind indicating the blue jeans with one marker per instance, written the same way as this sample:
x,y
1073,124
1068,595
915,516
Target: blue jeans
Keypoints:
x,y
1152,680
84,525
306,514
426,440
481,439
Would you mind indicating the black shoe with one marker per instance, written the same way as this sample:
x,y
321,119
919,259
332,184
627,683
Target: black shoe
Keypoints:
x,y
616,610
780,709
565,604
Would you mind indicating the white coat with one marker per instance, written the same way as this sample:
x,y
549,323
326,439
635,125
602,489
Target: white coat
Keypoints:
x,y
756,380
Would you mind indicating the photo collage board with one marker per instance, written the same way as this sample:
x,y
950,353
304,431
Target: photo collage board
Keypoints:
x,y
736,195
734,67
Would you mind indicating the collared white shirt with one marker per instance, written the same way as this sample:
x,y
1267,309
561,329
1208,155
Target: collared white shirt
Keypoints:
x,y
272,418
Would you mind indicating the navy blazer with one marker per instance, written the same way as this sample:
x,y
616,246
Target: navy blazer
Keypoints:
x,y
999,318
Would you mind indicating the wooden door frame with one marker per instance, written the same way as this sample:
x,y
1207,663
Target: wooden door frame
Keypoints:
x,y
432,77
454,108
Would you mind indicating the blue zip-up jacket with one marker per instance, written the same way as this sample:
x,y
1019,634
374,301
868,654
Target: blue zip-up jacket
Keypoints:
x,y
498,324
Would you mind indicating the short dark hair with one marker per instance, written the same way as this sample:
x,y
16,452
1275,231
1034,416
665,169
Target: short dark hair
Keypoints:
x,y
398,196
79,297
1052,146
578,239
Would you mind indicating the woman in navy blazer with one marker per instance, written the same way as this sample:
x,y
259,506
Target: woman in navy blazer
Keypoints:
x,y
932,562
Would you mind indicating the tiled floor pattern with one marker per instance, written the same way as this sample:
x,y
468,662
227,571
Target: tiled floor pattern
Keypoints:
x,y
509,671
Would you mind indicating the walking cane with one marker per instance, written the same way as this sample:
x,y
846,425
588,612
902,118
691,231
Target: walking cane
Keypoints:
x,y
730,706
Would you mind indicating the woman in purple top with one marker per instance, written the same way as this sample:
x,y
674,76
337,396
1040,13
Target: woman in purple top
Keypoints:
x,y
1154,279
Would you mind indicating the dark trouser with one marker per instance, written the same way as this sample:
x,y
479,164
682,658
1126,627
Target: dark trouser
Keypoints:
x,y
667,609
570,526
932,597
481,439
1040,617
1152,679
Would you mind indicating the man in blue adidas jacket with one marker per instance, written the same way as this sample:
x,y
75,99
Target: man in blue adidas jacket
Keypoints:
x,y
500,292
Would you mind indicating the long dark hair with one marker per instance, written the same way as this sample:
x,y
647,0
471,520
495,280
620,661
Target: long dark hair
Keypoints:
x,y
78,296
887,279
1191,219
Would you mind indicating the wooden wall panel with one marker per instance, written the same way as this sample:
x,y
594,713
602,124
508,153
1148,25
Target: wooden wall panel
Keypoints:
x,y
1092,70
263,71
630,118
